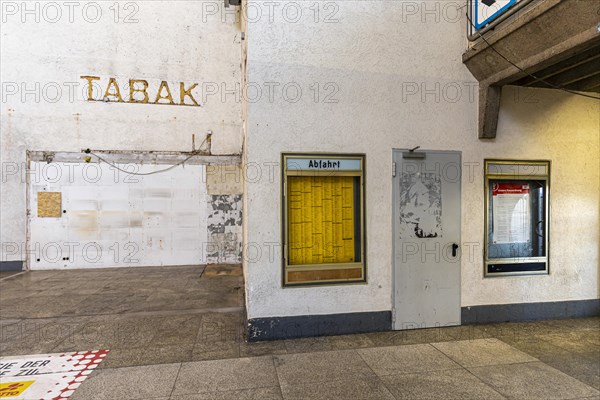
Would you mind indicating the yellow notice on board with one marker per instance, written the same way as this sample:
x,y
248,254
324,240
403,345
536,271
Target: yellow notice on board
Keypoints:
x,y
321,220
13,389
49,204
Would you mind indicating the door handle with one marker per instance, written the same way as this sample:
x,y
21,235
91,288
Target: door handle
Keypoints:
x,y
454,248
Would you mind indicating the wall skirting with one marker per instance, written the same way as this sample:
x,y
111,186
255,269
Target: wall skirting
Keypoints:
x,y
6,266
529,311
341,324
318,325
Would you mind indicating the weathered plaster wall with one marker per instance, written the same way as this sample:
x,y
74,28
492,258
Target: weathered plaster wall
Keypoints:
x,y
43,56
224,180
225,229
225,188
390,76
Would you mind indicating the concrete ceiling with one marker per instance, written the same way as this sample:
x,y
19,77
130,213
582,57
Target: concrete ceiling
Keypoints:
x,y
581,72
556,41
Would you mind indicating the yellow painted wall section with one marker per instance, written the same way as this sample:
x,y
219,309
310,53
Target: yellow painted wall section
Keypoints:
x,y
321,220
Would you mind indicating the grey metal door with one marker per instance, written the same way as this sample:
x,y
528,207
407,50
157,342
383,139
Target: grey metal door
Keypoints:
x,y
426,212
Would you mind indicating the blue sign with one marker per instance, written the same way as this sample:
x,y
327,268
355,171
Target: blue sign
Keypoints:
x,y
485,11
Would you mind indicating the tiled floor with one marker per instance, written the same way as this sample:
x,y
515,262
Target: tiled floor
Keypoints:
x,y
422,371
6,274
143,315
175,333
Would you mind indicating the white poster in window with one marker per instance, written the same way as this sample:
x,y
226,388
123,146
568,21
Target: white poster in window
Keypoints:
x,y
511,213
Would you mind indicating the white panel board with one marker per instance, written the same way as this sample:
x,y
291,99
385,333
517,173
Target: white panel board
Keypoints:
x,y
114,219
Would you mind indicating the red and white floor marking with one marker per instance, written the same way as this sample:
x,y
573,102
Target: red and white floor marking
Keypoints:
x,y
46,376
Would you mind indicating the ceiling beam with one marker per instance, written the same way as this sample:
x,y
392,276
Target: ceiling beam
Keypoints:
x,y
553,40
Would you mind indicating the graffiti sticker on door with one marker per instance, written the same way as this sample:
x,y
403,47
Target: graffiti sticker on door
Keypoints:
x,y
420,205
46,376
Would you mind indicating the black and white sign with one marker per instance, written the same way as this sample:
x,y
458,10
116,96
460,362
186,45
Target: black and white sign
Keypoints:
x,y
485,11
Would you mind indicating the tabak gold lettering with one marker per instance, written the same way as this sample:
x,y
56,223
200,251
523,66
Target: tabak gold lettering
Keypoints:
x,y
90,80
159,96
186,92
112,83
133,90
140,92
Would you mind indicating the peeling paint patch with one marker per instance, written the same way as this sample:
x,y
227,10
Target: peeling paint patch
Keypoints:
x,y
224,179
224,224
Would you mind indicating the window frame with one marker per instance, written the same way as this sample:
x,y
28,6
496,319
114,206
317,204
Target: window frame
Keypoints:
x,y
516,175
286,268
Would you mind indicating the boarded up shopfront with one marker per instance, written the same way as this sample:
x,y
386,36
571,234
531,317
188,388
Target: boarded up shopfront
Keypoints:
x,y
141,213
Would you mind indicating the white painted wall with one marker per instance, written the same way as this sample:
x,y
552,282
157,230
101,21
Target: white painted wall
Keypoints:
x,y
383,56
369,61
182,41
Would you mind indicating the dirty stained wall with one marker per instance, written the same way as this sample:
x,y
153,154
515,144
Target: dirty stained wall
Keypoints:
x,y
45,107
391,79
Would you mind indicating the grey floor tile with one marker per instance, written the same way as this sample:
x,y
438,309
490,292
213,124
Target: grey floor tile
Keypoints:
x,y
328,343
153,316
5,324
130,383
430,335
25,348
215,350
583,342
513,330
168,354
388,338
269,393
220,327
569,325
534,380
225,375
584,368
587,398
364,388
449,384
102,303
262,348
35,336
591,336
480,352
295,369
535,347
6,274
123,290
118,358
41,306
406,359
173,330
422,336
111,332
36,329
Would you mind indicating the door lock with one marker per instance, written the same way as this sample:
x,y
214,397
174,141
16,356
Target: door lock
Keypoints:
x,y
454,248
